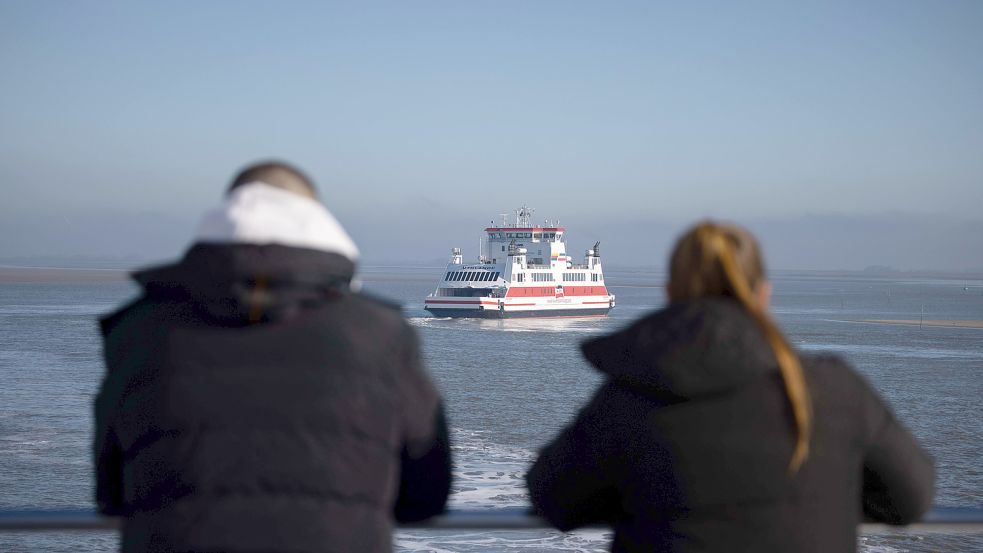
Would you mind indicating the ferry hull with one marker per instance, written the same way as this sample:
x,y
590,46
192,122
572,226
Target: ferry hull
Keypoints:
x,y
499,314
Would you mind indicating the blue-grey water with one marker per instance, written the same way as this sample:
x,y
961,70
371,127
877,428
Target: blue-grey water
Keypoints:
x,y
509,386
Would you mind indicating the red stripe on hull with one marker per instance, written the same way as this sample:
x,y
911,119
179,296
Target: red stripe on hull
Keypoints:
x,y
462,302
550,291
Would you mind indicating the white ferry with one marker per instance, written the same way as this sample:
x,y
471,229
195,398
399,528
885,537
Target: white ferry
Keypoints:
x,y
523,270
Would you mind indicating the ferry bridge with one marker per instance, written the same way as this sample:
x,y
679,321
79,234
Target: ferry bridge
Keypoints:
x,y
939,520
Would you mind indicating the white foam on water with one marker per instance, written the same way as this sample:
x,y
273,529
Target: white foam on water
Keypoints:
x,y
491,475
864,546
589,541
487,475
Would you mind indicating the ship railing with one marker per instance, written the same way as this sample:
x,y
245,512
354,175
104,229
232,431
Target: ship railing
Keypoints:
x,y
939,520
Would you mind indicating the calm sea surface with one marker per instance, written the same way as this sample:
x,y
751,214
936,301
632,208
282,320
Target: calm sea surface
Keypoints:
x,y
509,386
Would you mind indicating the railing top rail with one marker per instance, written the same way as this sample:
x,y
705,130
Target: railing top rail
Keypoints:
x,y
938,520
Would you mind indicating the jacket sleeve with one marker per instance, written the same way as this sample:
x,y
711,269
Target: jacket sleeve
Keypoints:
x,y
109,472
106,446
425,478
425,458
572,483
899,476
118,353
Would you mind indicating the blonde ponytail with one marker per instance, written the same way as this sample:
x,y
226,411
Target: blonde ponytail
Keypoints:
x,y
706,263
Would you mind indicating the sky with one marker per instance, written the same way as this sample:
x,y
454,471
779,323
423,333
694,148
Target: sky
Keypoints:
x,y
845,134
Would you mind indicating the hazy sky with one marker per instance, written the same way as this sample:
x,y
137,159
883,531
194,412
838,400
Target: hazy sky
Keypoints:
x,y
846,134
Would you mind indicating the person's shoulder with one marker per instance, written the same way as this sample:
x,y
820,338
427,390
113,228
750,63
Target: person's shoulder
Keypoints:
x,y
378,305
825,362
379,310
836,375
827,366
136,309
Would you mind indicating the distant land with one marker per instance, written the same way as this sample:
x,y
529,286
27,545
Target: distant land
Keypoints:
x,y
107,270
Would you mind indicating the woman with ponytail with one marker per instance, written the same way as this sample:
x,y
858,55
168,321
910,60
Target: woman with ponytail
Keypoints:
x,y
711,433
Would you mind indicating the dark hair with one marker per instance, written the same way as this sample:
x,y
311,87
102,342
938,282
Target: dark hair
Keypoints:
x,y
278,174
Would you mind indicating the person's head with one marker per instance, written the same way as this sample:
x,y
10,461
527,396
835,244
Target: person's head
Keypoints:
x,y
276,174
714,259
697,266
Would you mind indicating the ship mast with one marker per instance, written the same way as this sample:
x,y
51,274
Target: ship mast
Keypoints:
x,y
522,217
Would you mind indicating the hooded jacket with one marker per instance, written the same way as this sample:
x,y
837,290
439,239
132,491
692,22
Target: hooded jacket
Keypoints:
x,y
686,446
254,402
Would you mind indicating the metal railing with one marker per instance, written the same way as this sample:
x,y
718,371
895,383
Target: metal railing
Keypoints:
x,y
938,520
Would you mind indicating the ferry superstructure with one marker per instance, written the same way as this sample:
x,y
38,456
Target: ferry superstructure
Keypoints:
x,y
522,270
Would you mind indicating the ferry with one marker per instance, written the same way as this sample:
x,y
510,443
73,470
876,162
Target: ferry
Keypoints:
x,y
522,270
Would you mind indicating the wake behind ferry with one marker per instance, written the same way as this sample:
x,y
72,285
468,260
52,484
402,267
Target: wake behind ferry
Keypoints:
x,y
523,270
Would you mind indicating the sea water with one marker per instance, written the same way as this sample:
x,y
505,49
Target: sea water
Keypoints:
x,y
509,386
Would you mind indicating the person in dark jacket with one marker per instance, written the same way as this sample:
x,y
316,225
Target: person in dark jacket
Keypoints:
x,y
711,434
255,401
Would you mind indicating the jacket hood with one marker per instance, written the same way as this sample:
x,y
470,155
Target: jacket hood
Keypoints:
x,y
686,350
257,213
246,283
